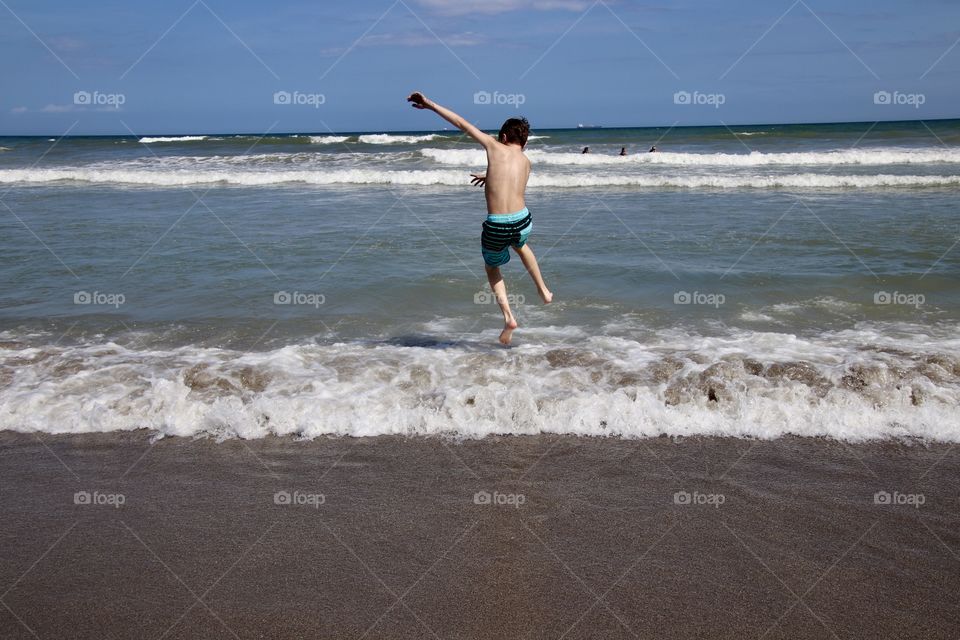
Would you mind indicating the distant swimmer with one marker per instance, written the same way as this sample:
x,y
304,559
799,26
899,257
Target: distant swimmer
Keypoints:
x,y
586,150
653,149
623,151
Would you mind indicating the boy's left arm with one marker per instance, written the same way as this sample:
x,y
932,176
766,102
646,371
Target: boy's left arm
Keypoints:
x,y
421,101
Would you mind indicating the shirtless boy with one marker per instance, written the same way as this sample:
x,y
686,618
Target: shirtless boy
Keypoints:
x,y
508,222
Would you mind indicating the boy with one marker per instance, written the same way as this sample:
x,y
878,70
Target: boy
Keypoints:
x,y
508,222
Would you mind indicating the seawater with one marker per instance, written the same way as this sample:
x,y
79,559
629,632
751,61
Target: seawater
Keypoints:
x,y
752,281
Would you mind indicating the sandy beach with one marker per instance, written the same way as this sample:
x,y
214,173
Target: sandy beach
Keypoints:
x,y
110,536
480,320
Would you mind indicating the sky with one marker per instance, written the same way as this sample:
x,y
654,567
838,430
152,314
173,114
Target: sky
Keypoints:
x,y
221,66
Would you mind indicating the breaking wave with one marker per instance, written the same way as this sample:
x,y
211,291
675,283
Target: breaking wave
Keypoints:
x,y
853,385
868,157
149,140
177,178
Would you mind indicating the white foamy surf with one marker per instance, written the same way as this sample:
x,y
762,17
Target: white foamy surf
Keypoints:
x,y
149,140
328,139
387,138
869,383
179,178
866,157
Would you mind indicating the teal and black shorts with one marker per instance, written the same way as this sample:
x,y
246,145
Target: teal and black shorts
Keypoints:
x,y
502,231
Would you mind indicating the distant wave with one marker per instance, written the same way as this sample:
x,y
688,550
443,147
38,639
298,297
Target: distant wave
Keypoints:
x,y
870,157
328,139
149,140
167,178
388,138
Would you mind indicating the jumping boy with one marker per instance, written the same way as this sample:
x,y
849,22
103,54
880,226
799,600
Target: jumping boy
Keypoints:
x,y
508,222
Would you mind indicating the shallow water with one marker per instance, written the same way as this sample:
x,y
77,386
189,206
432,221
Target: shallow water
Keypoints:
x,y
800,279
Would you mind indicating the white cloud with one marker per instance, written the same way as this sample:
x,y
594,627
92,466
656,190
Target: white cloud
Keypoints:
x,y
57,108
422,39
18,110
462,7
413,39
67,43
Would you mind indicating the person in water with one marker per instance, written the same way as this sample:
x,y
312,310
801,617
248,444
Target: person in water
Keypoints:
x,y
586,150
623,151
508,222
653,149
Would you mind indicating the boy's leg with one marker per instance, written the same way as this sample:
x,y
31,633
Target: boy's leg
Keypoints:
x,y
499,289
530,262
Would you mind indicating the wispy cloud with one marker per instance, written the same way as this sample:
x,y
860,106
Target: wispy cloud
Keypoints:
x,y
18,110
463,7
68,44
66,108
422,39
414,39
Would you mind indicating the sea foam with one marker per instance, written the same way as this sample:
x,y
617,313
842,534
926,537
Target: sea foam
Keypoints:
x,y
853,385
149,140
177,178
328,139
386,138
867,157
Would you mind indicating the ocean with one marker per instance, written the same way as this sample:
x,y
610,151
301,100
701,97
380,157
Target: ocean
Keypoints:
x,y
750,281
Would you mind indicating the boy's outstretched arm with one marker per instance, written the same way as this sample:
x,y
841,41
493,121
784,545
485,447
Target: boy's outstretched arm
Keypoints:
x,y
421,101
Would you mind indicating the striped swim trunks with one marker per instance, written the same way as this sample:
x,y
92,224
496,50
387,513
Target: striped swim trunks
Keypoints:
x,y
502,231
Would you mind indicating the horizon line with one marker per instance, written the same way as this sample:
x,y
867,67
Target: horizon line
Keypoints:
x,y
448,130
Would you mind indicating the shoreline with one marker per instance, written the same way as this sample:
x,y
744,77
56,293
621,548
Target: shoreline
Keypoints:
x,y
517,536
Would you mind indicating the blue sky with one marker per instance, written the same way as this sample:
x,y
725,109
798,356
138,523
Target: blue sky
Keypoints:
x,y
183,66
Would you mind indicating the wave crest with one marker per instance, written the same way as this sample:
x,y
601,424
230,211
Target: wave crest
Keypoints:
x,y
389,138
864,157
175,178
328,139
751,385
150,140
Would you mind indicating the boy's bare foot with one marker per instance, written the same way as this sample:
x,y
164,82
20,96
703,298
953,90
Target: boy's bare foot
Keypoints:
x,y
507,333
546,296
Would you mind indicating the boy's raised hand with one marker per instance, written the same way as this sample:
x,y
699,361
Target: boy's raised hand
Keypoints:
x,y
418,100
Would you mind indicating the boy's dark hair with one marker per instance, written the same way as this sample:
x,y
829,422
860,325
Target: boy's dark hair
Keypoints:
x,y
515,131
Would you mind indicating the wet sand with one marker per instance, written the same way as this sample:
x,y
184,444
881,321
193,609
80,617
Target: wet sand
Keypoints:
x,y
383,538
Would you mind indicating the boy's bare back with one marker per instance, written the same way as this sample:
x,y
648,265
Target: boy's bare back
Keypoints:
x,y
508,170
